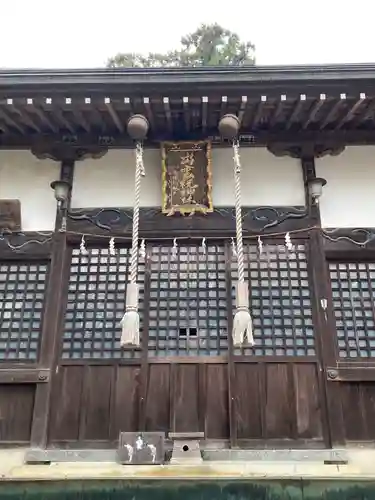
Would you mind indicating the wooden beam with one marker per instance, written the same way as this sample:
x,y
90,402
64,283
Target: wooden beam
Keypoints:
x,y
296,111
185,102
248,137
332,113
113,114
351,374
168,114
314,111
204,113
349,115
24,376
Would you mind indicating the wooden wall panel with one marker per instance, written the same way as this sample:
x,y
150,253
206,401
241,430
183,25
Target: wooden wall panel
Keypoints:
x,y
124,412
248,403
16,412
214,401
158,398
95,416
358,408
276,401
66,404
273,401
279,408
185,397
94,403
308,404
188,398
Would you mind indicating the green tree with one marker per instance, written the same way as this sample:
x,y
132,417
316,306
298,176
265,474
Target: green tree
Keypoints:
x,y
209,45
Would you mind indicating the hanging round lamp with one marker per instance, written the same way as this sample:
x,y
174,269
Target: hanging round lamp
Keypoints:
x,y
138,127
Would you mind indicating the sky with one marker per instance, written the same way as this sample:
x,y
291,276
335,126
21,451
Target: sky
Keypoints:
x,y
84,33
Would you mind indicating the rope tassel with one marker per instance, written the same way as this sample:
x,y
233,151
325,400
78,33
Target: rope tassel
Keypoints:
x,y
130,320
242,322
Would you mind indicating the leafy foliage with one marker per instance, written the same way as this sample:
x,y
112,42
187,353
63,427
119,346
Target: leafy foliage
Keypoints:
x,y
209,45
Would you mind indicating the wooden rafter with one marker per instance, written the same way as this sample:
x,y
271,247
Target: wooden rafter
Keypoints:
x,y
243,106
277,112
185,102
258,112
63,120
367,112
168,114
113,114
314,111
350,114
12,123
224,103
204,113
24,117
42,115
149,112
78,114
333,112
296,111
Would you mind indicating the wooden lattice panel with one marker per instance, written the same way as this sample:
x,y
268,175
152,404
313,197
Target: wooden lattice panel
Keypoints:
x,y
96,304
187,305
280,301
353,287
22,294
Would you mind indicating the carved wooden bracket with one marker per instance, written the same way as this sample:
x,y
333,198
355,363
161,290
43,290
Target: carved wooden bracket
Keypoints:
x,y
66,151
10,215
305,150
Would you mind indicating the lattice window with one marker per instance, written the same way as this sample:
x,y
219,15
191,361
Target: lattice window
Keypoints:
x,y
353,289
22,293
96,304
187,305
280,301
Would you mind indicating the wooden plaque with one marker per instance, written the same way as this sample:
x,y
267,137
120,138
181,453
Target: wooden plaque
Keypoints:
x,y
186,177
10,215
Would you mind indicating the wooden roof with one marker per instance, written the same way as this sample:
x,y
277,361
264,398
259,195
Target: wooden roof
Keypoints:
x,y
183,103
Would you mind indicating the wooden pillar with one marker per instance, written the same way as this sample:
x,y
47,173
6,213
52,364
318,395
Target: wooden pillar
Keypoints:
x,y
324,323
232,395
323,314
56,289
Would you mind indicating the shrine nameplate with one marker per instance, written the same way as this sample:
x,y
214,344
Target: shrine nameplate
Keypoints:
x,y
186,177
10,215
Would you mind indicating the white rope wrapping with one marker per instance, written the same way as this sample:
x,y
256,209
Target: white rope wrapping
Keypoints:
x,y
130,320
242,323
139,173
238,210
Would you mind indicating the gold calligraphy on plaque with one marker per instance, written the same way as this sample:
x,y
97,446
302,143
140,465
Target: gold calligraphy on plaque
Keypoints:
x,y
186,177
